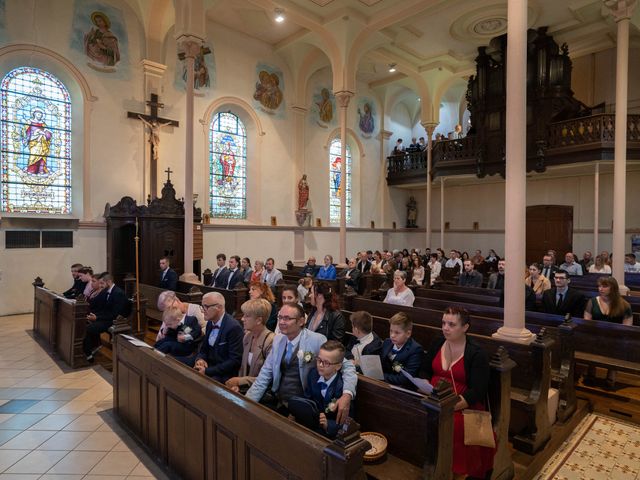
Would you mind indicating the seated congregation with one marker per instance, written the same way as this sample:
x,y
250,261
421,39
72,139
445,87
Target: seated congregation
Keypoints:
x,y
302,348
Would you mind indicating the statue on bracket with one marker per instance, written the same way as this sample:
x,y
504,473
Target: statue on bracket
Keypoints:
x,y
412,213
303,214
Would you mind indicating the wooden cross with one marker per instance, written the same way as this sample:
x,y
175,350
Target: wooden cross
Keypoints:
x,y
154,124
168,171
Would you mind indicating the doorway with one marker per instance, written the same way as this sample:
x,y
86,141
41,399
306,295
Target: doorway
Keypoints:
x,y
549,227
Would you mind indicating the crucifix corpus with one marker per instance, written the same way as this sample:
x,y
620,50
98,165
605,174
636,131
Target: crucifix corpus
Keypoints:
x,y
154,124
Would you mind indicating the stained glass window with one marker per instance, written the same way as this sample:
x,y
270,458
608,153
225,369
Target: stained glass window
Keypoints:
x,y
35,128
335,166
227,167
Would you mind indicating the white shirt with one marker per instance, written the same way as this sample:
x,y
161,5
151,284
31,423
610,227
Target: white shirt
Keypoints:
x,y
323,391
356,351
213,336
632,268
452,263
406,297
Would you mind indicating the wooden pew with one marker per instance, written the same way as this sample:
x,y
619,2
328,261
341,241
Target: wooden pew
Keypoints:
x,y
233,298
418,429
45,312
532,377
151,293
401,418
485,321
202,430
491,292
455,296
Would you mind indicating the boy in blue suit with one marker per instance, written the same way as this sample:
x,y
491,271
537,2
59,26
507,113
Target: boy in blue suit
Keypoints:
x,y
180,333
318,410
400,352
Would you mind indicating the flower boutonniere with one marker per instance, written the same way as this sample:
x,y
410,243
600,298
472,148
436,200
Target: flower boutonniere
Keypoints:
x,y
397,367
332,407
305,357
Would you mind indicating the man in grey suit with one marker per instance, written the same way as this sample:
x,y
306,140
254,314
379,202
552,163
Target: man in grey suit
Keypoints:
x,y
293,354
496,280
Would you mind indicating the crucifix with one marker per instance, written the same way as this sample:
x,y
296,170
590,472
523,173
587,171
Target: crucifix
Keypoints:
x,y
154,123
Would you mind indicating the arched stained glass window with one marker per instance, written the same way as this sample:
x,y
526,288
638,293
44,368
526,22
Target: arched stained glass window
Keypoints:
x,y
35,128
227,167
335,166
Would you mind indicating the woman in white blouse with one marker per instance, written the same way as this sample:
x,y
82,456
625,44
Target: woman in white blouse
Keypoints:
x,y
600,266
400,294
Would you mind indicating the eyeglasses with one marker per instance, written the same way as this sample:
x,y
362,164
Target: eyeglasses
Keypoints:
x,y
325,363
206,307
287,318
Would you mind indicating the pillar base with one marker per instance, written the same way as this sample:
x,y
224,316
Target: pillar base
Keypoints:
x,y
515,335
624,290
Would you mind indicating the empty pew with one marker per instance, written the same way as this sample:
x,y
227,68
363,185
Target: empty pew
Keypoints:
x,y
492,292
200,429
456,296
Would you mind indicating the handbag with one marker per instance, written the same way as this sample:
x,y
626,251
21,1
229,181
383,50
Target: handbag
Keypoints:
x,y
478,427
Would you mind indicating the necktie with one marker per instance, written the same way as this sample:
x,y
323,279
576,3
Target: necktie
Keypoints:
x,y
559,300
287,355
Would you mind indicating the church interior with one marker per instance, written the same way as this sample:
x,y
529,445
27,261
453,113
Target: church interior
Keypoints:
x,y
116,114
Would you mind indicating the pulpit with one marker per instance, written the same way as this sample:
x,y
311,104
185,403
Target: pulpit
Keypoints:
x,y
160,228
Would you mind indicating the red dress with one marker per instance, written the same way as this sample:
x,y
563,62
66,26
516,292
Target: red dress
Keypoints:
x,y
467,459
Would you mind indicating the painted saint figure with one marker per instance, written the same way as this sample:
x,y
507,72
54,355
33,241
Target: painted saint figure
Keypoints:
x,y
303,193
100,44
268,91
366,119
325,108
227,161
37,138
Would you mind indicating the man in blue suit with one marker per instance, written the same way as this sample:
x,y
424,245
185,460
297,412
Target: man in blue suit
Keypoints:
x,y
219,278
113,302
220,354
293,354
168,277
400,352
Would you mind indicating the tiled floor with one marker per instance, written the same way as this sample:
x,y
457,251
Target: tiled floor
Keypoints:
x,y
600,448
57,425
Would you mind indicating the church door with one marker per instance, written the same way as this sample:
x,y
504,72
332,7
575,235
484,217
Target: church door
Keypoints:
x,y
549,227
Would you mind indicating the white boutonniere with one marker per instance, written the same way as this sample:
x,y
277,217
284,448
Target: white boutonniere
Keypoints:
x,y
397,367
305,357
186,330
332,407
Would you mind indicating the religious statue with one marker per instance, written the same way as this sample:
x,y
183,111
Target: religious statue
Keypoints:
x,y
37,138
412,213
268,91
100,44
154,135
325,107
366,119
200,70
303,193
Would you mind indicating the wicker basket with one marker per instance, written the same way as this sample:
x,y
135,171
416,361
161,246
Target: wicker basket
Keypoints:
x,y
378,446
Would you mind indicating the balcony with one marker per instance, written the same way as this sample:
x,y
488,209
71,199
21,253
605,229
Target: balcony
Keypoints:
x,y
579,140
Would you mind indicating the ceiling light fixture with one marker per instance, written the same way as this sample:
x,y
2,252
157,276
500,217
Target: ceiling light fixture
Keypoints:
x,y
279,15
392,68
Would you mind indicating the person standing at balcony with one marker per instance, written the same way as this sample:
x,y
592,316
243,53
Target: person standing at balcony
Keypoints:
x,y
398,149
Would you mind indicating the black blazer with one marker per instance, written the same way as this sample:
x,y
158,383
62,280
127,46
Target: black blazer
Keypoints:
x,y
573,302
309,270
476,369
363,268
221,280
170,280
77,289
225,356
552,272
354,280
111,304
410,357
233,279
373,348
331,326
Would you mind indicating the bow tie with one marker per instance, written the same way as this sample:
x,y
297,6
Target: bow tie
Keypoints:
x,y
395,350
215,327
323,385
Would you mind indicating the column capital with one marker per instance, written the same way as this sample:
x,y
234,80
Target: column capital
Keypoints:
x,y
343,97
153,69
621,9
429,127
385,134
299,110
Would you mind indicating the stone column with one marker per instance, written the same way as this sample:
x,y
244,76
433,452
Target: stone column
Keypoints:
x,y
621,11
153,73
191,46
516,169
343,98
596,210
429,127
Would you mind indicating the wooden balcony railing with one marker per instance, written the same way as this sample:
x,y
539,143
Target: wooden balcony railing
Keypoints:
x,y
578,140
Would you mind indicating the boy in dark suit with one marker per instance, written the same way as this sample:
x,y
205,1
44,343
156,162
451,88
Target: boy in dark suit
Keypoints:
x,y
180,333
168,277
364,340
318,410
400,352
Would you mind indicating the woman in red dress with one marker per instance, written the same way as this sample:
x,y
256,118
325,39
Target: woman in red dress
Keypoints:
x,y
458,360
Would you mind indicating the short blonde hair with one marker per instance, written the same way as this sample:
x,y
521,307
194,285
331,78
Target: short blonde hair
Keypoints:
x,y
401,320
170,315
259,308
